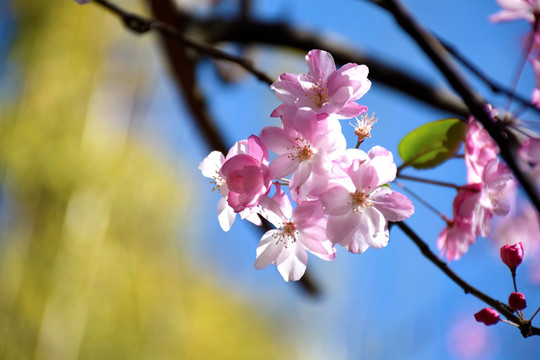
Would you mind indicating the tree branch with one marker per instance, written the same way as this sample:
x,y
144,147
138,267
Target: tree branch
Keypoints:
x,y
280,34
142,25
525,326
496,88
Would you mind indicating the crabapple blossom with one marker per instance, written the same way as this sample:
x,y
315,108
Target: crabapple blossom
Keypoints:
x,y
247,176
211,168
517,301
302,153
325,90
459,234
512,255
488,316
480,148
517,9
474,207
359,206
297,232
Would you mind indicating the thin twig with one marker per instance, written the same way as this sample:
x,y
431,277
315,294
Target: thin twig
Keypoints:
x,y
422,201
524,326
496,88
142,25
429,181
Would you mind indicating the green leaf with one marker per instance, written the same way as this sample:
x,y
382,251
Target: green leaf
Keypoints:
x,y
433,143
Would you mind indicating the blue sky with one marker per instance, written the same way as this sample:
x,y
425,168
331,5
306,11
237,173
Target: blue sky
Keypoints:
x,y
384,304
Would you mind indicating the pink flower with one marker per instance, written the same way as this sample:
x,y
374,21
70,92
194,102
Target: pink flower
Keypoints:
x,y
298,231
460,233
246,175
512,255
479,150
474,207
491,200
211,168
359,206
302,152
517,301
487,316
517,9
324,89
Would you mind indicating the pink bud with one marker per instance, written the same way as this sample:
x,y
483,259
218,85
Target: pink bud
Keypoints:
x,y
512,255
487,316
517,301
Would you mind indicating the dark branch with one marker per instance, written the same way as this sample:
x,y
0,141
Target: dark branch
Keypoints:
x,y
281,34
142,25
496,88
525,326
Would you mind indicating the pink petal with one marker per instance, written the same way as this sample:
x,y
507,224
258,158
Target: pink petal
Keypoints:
x,y
320,64
340,229
282,166
352,110
308,213
364,176
301,174
257,150
322,249
383,161
274,138
288,88
393,205
337,201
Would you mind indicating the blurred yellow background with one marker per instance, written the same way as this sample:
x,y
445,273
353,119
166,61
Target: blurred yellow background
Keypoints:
x,y
91,264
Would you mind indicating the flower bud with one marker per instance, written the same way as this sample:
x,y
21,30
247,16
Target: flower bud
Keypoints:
x,y
517,301
487,316
512,255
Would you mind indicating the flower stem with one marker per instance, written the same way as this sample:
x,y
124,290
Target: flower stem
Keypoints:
x,y
429,181
536,312
423,202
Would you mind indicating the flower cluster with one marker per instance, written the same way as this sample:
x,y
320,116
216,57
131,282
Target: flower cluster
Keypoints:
x,y
341,195
486,194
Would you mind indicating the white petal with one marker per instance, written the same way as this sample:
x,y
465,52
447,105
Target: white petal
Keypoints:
x,y
269,249
226,214
211,165
292,262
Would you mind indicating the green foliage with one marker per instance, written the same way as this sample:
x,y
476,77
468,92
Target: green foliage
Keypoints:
x,y
91,265
433,143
